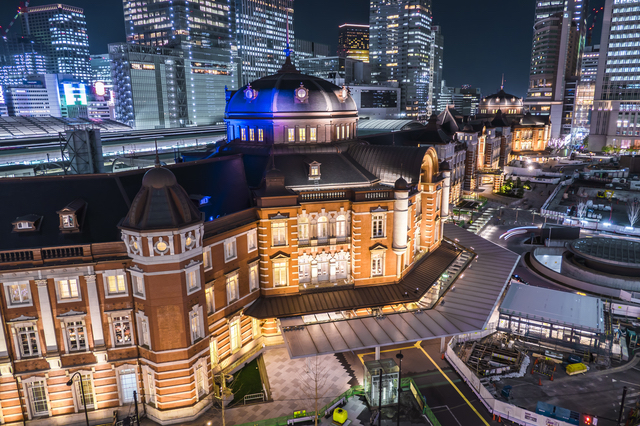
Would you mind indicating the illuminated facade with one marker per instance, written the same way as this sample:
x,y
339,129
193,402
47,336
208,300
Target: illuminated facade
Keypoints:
x,y
170,288
20,56
531,134
261,36
585,91
400,49
39,98
101,69
437,62
353,42
61,30
616,107
559,34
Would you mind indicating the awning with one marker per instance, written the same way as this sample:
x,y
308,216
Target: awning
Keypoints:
x,y
467,307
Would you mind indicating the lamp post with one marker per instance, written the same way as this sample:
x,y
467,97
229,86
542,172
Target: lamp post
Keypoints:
x,y
399,356
69,383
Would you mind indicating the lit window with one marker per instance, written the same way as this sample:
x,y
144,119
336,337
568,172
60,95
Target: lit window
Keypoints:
x,y
206,259
87,386
18,294
303,229
312,134
291,135
37,396
252,134
195,324
234,332
230,252
243,133
341,227
253,277
193,279
213,352
279,233
76,336
260,135
280,273
68,289
347,129
252,240
27,340
377,264
121,326
302,134
314,170
255,328
377,225
138,284
323,228
116,284
127,384
68,221
201,381
210,300
233,291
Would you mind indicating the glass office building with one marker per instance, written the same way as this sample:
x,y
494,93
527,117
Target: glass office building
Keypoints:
x,y
20,57
353,42
61,31
400,49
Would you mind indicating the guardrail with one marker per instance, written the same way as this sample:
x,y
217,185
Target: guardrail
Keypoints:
x,y
253,397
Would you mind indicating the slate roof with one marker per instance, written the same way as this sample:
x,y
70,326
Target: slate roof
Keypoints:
x,y
389,162
108,198
411,288
534,120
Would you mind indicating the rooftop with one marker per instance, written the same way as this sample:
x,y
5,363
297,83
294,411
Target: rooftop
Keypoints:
x,y
611,250
555,307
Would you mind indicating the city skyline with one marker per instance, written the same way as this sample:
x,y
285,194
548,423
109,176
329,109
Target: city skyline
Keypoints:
x,y
320,24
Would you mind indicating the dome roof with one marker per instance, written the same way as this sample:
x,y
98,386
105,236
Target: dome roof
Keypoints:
x,y
161,204
501,99
401,184
280,93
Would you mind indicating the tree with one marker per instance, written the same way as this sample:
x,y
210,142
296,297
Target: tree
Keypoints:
x,y
633,212
313,383
607,149
581,209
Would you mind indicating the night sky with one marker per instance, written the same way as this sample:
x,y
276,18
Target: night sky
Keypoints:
x,y
483,39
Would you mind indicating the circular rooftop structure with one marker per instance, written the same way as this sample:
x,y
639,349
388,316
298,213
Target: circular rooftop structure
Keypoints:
x,y
610,255
501,100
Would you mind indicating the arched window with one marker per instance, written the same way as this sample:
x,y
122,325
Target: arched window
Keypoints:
x,y
303,230
341,228
323,228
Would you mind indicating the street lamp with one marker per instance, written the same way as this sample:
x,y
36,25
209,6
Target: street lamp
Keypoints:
x,y
399,356
70,383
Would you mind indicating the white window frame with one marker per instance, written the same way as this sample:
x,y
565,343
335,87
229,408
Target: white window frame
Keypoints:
x,y
23,303
210,299
379,218
341,226
232,285
27,386
303,230
115,273
255,328
112,326
279,233
77,396
201,376
192,276
15,330
230,249
144,333
377,264
207,262
65,323
196,324
138,278
254,276
235,339
213,352
277,281
252,240
149,382
313,134
58,283
122,397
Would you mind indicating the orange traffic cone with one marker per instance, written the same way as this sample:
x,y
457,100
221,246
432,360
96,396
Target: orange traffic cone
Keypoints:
x,y
539,382
499,419
551,378
494,417
442,356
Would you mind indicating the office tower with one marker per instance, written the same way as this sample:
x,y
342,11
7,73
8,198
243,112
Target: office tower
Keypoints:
x,y
20,57
339,71
437,58
558,40
162,87
101,68
261,34
400,49
309,49
353,42
464,99
36,96
201,23
585,92
616,107
61,31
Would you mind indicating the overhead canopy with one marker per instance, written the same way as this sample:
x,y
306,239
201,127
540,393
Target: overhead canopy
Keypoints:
x,y
554,307
370,127
466,309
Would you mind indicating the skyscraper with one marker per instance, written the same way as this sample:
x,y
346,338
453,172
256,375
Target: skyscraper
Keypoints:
x,y
558,41
261,33
101,69
201,23
616,107
585,92
61,30
353,42
437,59
20,57
400,49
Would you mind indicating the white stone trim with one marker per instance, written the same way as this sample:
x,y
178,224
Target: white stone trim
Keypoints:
x,y
67,278
47,316
7,295
94,310
25,385
112,273
118,382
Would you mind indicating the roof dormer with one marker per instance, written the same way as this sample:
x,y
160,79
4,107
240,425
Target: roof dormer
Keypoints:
x,y
72,215
28,223
314,170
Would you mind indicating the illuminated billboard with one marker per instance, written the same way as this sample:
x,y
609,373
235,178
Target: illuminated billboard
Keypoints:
x,y
75,93
99,88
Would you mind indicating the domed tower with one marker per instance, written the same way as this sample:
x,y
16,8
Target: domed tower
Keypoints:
x,y
163,233
291,108
510,106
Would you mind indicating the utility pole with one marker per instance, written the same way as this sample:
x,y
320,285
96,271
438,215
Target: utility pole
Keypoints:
x,y
135,402
399,356
380,398
624,394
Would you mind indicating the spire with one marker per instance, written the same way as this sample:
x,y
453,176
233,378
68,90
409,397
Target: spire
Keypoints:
x,y
287,51
502,84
